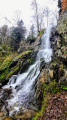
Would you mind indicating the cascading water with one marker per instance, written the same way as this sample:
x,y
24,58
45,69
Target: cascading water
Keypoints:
x,y
22,85
45,51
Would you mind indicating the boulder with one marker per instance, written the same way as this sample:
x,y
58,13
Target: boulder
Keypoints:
x,y
1,114
51,73
7,118
28,114
15,63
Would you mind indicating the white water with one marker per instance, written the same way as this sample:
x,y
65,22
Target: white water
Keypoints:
x,y
22,85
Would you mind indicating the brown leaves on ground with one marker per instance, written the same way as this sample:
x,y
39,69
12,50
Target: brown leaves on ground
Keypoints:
x,y
56,108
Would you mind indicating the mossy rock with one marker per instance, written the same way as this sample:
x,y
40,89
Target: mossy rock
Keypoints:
x,y
41,32
7,118
13,63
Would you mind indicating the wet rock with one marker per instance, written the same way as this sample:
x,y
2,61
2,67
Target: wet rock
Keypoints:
x,y
32,107
0,85
58,44
1,114
58,52
27,115
64,49
42,65
5,94
64,59
51,73
7,118
63,78
66,74
36,43
43,77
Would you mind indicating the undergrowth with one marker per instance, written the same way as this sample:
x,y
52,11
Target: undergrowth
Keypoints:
x,y
48,89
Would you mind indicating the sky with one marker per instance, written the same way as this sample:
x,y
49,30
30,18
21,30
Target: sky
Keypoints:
x,y
9,8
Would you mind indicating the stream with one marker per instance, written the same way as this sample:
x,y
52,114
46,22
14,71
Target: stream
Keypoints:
x,y
22,85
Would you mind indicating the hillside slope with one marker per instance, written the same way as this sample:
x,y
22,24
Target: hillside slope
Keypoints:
x,y
52,84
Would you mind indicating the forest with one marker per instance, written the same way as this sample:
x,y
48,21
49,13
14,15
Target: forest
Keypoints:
x,y
33,60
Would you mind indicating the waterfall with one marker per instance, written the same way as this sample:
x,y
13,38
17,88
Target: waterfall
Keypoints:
x,y
22,85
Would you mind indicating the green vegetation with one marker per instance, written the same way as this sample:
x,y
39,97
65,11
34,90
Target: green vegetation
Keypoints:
x,y
23,53
13,63
30,39
63,44
41,32
66,51
48,89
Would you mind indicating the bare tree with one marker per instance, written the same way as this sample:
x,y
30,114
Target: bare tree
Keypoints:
x,y
36,12
32,31
47,13
41,19
17,17
4,34
39,15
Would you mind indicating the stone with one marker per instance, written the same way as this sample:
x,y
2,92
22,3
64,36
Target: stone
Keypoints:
x,y
58,44
66,73
1,114
7,118
59,53
0,84
51,73
26,115
43,77
63,79
0,48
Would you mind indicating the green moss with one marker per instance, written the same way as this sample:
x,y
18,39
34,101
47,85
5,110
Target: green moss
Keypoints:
x,y
44,105
54,87
66,51
53,63
6,62
12,72
65,112
41,32
31,60
48,89
7,118
63,44
6,71
23,53
3,75
64,87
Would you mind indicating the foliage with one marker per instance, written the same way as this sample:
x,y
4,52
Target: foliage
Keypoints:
x,y
12,64
49,89
41,32
18,34
23,53
30,39
11,37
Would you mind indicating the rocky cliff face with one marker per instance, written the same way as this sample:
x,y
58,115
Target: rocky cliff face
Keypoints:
x,y
64,5
53,78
